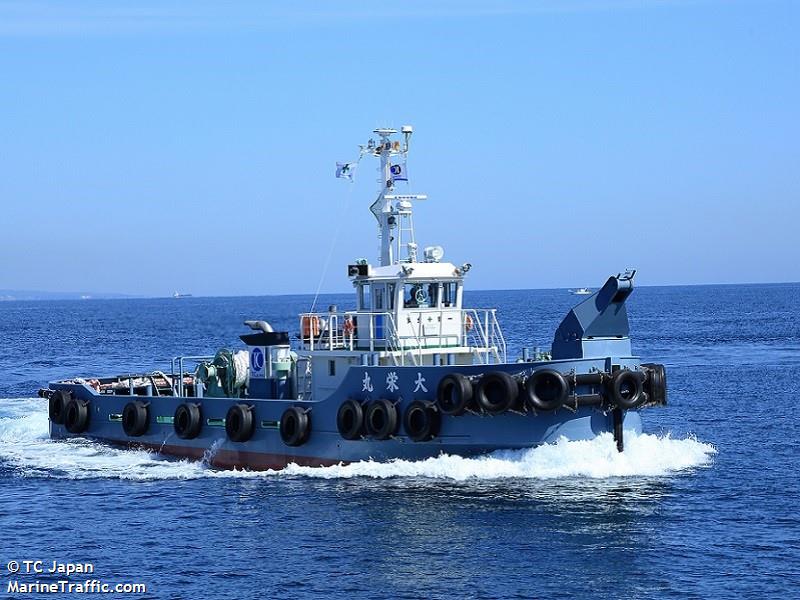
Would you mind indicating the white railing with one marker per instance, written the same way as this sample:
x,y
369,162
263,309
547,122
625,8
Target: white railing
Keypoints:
x,y
348,331
181,363
324,331
475,329
485,336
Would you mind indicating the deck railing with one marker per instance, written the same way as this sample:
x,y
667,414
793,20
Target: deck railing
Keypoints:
x,y
180,362
477,329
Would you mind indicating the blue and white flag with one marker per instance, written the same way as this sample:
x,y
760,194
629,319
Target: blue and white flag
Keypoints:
x,y
346,170
398,172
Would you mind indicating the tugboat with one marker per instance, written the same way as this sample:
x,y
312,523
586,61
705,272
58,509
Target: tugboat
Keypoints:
x,y
410,373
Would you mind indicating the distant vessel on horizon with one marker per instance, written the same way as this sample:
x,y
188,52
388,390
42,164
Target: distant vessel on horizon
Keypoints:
x,y
581,292
180,295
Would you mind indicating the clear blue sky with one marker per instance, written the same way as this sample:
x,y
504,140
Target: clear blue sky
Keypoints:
x,y
149,146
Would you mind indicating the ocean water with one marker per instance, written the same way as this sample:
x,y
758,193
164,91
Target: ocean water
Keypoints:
x,y
703,504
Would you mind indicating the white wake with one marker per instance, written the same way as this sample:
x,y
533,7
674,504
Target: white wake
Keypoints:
x,y
26,449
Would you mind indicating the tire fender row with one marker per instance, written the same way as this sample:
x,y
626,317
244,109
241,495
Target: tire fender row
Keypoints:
x,y
496,392
380,420
492,393
240,422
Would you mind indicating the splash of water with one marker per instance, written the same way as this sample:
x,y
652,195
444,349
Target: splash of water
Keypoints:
x,y
26,448
211,451
645,455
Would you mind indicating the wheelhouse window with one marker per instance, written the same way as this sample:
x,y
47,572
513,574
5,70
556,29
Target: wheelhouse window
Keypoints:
x,y
433,294
377,297
416,295
449,294
364,301
390,294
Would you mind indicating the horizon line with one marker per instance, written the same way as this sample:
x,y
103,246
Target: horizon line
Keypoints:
x,y
126,296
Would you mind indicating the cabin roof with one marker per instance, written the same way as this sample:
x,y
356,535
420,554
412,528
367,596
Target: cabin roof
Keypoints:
x,y
419,271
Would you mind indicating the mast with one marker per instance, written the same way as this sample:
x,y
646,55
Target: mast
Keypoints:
x,y
393,211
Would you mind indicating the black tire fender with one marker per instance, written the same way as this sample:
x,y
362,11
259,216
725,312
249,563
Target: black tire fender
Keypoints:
x,y
135,418
546,390
350,419
76,415
240,423
655,386
295,426
381,419
188,420
626,389
496,392
56,405
422,421
454,394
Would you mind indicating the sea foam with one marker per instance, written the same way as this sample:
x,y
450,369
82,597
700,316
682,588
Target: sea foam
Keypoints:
x,y
26,449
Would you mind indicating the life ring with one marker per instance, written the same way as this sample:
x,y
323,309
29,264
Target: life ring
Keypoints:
x,y
76,415
348,327
135,418
188,421
468,324
626,389
56,405
422,421
496,392
546,390
381,419
240,423
656,383
295,426
310,326
454,394
350,419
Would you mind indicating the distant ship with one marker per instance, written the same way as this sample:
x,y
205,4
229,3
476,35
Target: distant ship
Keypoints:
x,y
180,295
581,292
410,373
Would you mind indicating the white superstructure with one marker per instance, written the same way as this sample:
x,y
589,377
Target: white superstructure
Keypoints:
x,y
409,307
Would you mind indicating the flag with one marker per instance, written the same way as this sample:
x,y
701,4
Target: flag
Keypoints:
x,y
345,170
398,172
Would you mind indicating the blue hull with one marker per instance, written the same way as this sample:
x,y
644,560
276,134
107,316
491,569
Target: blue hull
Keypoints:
x,y
468,434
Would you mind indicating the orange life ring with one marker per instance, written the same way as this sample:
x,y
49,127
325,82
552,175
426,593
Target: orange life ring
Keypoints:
x,y
310,326
348,326
468,323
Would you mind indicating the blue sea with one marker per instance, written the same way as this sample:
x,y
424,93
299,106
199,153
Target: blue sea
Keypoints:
x,y
703,504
